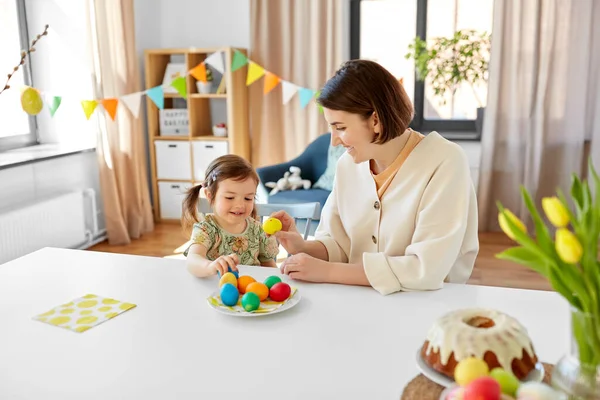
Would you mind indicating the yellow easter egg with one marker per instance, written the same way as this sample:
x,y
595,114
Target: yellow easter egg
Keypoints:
x,y
31,101
228,278
470,369
272,225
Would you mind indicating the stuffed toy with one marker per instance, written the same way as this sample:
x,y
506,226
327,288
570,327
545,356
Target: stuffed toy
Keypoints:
x,y
291,181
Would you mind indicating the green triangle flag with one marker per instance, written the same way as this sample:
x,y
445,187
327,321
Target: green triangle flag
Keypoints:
x,y
239,60
180,85
53,103
318,105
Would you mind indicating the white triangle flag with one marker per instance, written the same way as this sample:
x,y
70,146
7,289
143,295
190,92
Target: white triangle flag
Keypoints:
x,y
133,101
216,60
288,91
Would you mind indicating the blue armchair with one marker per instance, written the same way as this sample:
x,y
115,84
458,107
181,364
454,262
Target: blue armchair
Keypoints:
x,y
312,162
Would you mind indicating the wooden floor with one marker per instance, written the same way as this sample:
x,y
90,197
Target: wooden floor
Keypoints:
x,y
168,240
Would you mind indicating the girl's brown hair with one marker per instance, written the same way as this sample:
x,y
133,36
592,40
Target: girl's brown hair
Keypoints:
x,y
225,167
363,87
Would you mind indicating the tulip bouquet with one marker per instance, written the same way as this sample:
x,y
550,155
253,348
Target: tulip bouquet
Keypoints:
x,y
569,260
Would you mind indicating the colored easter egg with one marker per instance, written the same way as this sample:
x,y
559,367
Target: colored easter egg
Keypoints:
x,y
31,101
270,281
250,301
470,369
228,278
243,282
507,380
454,393
280,292
229,294
272,225
537,391
482,388
236,273
261,290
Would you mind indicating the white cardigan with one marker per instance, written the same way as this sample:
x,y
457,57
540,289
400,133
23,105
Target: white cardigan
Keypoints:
x,y
423,231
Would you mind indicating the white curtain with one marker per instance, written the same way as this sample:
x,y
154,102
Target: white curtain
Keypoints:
x,y
543,101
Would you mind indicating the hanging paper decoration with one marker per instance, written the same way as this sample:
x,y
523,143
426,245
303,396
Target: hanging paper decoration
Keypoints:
x,y
180,85
317,94
216,60
239,60
306,96
199,72
133,102
110,105
157,95
88,107
255,72
271,80
31,101
53,102
288,91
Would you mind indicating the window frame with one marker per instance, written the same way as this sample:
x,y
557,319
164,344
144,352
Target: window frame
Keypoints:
x,y
463,129
30,139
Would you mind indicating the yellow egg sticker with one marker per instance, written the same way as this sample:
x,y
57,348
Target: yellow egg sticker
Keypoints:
x,y
84,313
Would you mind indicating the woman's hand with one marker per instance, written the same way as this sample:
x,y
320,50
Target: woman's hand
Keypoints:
x,y
222,263
289,237
306,268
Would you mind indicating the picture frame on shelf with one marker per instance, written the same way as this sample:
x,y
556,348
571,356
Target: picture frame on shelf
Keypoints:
x,y
174,122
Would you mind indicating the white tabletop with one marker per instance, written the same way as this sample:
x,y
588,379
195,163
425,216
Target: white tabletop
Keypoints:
x,y
338,342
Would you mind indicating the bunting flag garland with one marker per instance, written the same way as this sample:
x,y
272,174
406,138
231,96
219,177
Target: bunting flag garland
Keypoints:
x,y
157,95
271,80
53,103
180,85
110,105
317,94
255,72
88,107
132,101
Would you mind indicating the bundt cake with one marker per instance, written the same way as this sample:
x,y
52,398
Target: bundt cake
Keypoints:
x,y
497,338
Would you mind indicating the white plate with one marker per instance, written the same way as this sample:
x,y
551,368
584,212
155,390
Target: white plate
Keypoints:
x,y
536,375
289,303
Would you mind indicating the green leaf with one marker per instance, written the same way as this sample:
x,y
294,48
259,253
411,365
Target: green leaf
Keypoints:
x,y
526,257
559,285
577,193
541,230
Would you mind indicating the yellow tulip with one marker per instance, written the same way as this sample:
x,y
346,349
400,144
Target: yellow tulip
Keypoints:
x,y
504,224
555,211
568,247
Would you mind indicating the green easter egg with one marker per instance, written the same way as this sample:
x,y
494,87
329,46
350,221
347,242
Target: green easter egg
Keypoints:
x,y
270,281
250,301
507,380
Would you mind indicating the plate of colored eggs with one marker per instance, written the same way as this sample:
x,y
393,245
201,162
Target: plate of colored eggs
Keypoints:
x,y
244,296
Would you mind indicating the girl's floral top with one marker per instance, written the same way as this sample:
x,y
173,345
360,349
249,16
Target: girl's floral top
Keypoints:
x,y
251,246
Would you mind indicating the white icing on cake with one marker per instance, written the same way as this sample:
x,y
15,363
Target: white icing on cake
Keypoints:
x,y
506,339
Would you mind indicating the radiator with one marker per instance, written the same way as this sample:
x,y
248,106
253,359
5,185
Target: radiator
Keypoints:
x,y
58,221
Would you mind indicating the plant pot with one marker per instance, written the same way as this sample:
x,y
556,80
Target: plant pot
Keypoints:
x,y
479,120
219,131
577,374
204,87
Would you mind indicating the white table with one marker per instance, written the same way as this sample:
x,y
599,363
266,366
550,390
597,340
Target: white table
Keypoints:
x,y
339,342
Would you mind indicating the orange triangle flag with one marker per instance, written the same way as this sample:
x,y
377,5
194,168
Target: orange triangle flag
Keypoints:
x,y
199,72
271,80
110,105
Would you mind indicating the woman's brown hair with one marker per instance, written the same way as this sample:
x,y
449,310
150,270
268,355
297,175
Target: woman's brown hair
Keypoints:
x,y
225,167
363,87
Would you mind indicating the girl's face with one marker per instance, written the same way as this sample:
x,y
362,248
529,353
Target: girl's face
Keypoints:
x,y
234,200
354,133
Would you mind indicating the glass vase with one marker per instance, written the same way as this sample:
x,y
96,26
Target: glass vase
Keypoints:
x,y
577,374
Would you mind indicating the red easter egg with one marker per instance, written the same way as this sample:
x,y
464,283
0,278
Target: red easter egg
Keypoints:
x,y
484,388
280,291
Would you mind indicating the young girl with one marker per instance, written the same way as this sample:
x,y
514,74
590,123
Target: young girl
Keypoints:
x,y
232,234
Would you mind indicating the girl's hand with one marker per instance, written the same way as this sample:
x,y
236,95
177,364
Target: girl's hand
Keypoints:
x,y
289,237
223,263
306,268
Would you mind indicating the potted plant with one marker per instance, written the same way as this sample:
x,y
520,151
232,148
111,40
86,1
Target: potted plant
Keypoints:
x,y
449,62
569,261
205,87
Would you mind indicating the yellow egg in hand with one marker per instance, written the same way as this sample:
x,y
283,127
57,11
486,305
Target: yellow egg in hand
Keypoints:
x,y
228,278
31,101
272,225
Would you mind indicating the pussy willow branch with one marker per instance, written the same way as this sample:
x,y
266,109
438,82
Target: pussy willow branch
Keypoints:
x,y
23,57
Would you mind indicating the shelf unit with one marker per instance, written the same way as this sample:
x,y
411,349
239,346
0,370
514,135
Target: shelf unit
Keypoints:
x,y
178,162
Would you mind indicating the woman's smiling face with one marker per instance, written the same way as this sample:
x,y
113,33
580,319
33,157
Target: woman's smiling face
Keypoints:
x,y
353,132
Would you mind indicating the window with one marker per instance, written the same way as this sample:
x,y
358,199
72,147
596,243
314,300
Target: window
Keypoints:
x,y
17,128
382,30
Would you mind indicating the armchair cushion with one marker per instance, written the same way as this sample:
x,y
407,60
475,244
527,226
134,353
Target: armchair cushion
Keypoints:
x,y
326,180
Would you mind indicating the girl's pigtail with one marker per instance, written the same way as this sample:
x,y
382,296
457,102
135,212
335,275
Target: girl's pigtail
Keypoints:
x,y
190,207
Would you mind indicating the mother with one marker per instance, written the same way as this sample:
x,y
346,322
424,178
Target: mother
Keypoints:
x,y
402,215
